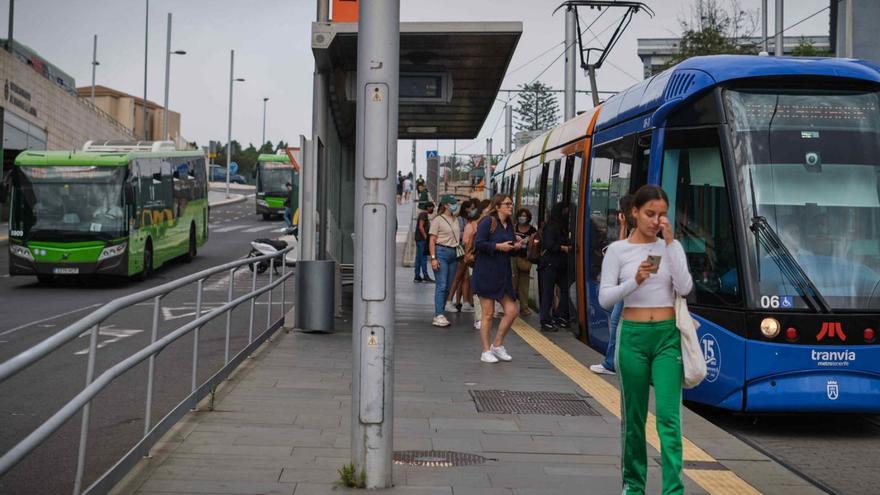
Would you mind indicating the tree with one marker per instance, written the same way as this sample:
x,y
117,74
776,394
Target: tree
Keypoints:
x,y
537,108
267,147
805,48
712,29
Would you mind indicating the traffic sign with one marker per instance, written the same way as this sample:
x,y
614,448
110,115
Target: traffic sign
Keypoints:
x,y
233,168
432,153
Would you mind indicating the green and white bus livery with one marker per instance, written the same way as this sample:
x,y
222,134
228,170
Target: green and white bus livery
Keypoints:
x,y
272,173
113,208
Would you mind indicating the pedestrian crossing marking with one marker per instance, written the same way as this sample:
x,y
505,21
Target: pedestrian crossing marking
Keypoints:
x,y
258,228
231,228
714,481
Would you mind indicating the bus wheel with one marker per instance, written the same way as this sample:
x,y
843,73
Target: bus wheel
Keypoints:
x,y
193,249
148,261
44,278
266,216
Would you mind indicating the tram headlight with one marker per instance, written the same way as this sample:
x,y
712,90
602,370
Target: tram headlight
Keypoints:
x,y
112,251
21,251
770,327
262,202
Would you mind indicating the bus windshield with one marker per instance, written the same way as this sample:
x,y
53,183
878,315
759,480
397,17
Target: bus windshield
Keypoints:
x,y
274,176
808,162
68,203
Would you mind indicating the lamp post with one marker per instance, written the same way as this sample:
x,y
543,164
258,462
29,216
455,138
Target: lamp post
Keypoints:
x,y
168,54
146,49
264,122
232,79
95,65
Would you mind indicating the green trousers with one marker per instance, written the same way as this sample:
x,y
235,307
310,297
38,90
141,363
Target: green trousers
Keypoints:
x,y
650,352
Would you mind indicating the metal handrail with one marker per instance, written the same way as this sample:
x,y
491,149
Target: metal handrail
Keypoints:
x,y
95,385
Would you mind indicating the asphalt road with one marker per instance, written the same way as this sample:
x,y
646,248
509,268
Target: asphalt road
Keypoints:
x,y
31,312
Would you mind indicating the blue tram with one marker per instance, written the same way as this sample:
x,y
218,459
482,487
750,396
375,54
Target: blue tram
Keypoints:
x,y
772,166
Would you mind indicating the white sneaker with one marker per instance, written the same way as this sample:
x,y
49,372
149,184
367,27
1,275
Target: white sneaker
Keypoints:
x,y
478,324
488,357
467,308
440,321
601,370
450,308
501,353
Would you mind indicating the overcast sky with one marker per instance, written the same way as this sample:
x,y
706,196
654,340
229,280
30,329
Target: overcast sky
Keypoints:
x,y
272,51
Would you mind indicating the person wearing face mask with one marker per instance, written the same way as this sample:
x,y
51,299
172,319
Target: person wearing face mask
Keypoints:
x,y
445,237
461,283
553,269
522,269
423,225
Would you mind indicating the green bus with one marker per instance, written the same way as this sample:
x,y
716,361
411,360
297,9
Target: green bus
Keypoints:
x,y
113,208
273,172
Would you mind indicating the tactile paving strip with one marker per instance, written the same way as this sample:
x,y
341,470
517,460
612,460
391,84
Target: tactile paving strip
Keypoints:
x,y
516,402
436,458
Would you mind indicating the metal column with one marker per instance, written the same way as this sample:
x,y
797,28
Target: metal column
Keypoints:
x,y
508,129
94,66
375,212
229,124
766,43
570,62
487,171
780,26
167,76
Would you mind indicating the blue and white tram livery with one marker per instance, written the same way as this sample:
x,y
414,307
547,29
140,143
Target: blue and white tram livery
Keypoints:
x,y
772,166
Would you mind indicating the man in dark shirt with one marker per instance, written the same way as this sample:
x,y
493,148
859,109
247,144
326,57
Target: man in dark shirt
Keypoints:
x,y
423,224
288,206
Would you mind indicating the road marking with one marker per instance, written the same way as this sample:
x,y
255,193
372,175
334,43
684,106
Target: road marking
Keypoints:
x,y
231,228
116,335
259,228
714,481
222,283
175,313
11,330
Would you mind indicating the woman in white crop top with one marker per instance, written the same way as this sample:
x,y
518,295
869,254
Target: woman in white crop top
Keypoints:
x,y
646,272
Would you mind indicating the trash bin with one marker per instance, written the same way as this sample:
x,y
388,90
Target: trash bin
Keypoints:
x,y
315,295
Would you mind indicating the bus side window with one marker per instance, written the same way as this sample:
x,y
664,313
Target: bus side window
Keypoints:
x,y
610,180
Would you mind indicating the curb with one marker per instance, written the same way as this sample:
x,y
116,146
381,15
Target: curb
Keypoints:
x,y
239,199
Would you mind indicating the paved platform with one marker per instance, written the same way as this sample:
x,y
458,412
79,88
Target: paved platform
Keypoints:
x,y
281,424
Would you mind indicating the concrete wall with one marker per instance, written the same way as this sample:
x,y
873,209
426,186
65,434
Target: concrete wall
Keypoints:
x,y
866,36
68,121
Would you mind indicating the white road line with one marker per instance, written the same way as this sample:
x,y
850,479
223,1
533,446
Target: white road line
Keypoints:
x,y
259,228
117,334
231,228
11,330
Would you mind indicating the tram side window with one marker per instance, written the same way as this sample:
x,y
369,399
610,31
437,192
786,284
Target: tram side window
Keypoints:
x,y
610,180
694,179
531,183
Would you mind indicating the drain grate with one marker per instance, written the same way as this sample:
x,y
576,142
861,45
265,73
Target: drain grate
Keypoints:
x,y
514,402
436,458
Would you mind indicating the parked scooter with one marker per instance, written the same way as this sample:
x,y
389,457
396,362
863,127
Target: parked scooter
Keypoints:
x,y
262,247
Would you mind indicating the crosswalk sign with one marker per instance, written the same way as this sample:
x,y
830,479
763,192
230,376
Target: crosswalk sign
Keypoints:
x,y
431,153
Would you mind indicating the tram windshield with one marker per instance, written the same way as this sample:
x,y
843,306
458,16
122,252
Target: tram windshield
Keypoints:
x,y
808,162
68,203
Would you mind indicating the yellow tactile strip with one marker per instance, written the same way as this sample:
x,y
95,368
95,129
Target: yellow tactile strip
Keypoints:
x,y
714,481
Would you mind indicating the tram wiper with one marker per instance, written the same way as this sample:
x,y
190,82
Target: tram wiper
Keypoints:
x,y
788,265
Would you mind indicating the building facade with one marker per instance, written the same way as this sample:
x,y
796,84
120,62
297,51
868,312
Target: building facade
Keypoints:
x,y
129,110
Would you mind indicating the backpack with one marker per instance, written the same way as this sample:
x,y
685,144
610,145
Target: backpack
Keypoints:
x,y
533,248
470,255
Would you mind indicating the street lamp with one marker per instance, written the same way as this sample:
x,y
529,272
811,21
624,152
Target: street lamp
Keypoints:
x,y
95,65
232,79
263,142
168,54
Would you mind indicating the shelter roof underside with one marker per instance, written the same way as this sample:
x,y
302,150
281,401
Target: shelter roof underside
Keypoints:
x,y
476,56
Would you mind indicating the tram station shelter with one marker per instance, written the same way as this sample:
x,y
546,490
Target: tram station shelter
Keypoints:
x,y
450,74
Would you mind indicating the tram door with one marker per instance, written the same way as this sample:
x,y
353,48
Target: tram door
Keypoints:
x,y
618,168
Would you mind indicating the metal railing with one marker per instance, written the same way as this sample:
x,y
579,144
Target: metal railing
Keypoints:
x,y
94,385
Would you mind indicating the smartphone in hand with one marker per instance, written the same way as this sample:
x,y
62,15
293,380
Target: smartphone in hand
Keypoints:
x,y
654,260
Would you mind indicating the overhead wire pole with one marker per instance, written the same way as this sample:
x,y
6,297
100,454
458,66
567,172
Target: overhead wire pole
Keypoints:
x,y
570,61
94,65
508,129
487,173
146,51
780,27
764,25
378,76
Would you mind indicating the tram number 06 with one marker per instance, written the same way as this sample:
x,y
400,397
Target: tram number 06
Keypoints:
x,y
770,302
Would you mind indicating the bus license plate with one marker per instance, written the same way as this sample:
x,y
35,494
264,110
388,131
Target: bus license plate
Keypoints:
x,y
65,271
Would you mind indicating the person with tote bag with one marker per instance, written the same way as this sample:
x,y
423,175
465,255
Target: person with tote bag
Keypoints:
x,y
648,273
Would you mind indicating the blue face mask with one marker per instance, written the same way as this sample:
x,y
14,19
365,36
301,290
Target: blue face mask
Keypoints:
x,y
453,208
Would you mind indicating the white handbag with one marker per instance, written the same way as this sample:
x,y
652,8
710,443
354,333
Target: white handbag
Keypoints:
x,y
692,360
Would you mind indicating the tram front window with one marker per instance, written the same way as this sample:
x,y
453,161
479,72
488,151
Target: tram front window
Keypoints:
x,y
69,203
809,163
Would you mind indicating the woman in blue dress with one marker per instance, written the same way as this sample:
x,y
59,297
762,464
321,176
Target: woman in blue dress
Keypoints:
x,y
492,280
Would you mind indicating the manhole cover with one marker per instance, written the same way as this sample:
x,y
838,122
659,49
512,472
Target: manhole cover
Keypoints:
x,y
514,402
436,458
